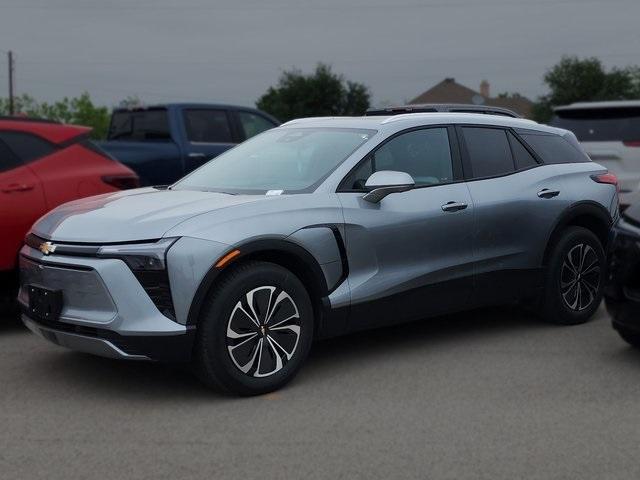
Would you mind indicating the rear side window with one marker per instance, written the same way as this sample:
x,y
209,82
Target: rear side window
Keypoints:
x,y
521,156
207,126
489,151
27,147
8,160
601,124
554,148
253,124
140,125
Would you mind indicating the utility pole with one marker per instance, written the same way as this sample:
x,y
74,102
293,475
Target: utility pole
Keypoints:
x,y
11,105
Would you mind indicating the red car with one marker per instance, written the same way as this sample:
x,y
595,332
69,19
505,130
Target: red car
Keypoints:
x,y
44,164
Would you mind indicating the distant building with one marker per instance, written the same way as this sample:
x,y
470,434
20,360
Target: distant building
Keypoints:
x,y
449,91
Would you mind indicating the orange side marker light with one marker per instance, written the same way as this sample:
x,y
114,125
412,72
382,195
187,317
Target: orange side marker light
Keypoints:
x,y
227,258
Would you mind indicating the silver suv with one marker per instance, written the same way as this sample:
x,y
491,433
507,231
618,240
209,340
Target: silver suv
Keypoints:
x,y
317,228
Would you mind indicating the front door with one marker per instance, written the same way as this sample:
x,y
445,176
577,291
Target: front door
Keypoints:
x,y
410,255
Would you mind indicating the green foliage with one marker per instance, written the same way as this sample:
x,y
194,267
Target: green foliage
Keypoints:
x,y
78,110
585,80
322,93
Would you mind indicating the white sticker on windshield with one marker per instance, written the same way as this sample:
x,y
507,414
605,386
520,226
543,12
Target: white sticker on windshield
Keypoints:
x,y
274,192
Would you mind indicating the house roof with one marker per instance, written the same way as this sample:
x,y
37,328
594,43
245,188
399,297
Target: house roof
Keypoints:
x,y
449,91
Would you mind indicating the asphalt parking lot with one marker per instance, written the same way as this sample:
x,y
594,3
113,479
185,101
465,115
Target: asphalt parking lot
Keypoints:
x,y
492,394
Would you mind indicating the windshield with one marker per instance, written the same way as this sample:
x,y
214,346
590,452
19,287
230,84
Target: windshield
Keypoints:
x,y
601,124
291,160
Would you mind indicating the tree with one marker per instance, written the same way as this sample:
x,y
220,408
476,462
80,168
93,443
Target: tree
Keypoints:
x,y
318,94
576,80
78,110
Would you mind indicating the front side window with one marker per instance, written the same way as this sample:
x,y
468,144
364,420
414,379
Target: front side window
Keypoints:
x,y
27,147
291,160
424,154
253,124
489,151
207,126
140,125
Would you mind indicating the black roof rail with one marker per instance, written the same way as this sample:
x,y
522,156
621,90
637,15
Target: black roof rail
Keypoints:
x,y
442,107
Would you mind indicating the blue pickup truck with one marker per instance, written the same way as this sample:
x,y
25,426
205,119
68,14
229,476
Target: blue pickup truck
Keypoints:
x,y
162,143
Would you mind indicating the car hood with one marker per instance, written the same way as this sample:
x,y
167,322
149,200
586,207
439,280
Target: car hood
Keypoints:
x,y
132,215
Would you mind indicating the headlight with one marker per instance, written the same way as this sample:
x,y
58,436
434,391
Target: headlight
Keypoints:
x,y
148,263
140,256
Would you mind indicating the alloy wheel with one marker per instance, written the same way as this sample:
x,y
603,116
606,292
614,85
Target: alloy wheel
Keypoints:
x,y
580,277
263,331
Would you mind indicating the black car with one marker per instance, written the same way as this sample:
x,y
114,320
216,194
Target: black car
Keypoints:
x,y
622,293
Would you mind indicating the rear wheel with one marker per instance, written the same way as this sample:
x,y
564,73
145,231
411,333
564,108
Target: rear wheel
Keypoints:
x,y
632,338
255,330
574,278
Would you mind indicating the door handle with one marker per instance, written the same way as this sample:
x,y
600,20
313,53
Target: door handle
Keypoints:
x,y
16,187
453,206
546,193
197,155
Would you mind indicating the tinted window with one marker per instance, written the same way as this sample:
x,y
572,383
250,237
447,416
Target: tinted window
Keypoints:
x,y
521,156
7,159
489,151
554,149
423,154
253,124
209,126
26,146
139,125
601,124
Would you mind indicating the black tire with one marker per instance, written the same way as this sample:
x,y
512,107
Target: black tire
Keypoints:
x,y
630,337
220,358
563,303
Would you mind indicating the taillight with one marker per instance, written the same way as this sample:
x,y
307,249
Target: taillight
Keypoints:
x,y
122,182
608,178
632,143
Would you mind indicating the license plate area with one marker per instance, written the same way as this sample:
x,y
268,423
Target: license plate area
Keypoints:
x,y
44,303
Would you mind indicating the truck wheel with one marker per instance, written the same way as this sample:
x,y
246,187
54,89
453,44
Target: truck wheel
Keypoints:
x,y
255,330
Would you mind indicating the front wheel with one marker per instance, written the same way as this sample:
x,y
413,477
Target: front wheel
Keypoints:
x,y
574,278
255,330
632,338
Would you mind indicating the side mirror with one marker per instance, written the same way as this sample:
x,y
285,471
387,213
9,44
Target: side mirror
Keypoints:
x,y
382,183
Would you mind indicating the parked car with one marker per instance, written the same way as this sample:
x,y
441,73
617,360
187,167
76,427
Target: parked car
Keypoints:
x,y
610,134
322,227
163,143
441,107
622,293
42,165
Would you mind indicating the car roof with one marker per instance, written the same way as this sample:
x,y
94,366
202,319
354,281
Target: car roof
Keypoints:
x,y
609,104
52,131
408,120
442,107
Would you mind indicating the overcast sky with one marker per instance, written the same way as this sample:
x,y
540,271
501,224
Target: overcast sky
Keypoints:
x,y
231,51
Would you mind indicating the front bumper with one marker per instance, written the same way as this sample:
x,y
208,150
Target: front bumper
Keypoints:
x,y
104,343
105,309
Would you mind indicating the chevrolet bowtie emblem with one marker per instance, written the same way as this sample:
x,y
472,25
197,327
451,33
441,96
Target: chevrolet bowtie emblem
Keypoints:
x,y
47,248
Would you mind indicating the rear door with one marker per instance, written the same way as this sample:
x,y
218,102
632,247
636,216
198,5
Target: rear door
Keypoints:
x,y
21,204
517,201
208,133
410,255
